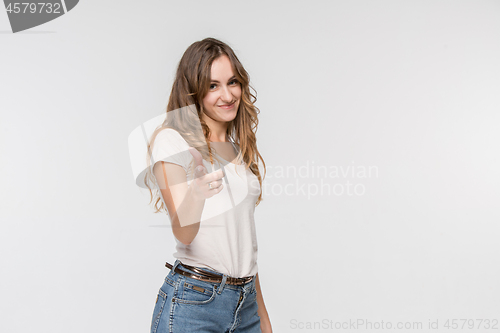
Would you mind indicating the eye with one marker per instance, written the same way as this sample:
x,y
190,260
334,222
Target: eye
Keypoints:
x,y
234,82
213,86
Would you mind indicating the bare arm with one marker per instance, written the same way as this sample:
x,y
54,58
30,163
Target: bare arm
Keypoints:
x,y
185,203
265,323
182,204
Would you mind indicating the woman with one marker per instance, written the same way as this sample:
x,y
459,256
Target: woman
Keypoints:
x,y
213,286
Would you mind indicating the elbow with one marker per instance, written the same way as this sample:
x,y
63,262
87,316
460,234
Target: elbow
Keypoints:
x,y
183,240
185,234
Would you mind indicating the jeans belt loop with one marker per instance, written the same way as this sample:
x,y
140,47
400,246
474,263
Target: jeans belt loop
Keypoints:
x,y
222,284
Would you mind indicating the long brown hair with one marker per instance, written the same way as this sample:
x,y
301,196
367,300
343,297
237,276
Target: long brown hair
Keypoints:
x,y
191,85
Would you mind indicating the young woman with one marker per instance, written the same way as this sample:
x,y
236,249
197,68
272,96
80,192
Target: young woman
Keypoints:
x,y
205,164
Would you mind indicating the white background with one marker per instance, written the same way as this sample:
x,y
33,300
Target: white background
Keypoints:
x,y
410,87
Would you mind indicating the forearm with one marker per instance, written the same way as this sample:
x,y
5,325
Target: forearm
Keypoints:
x,y
184,205
186,220
265,322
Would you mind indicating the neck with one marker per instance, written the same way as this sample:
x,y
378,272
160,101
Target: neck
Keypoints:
x,y
218,130
222,137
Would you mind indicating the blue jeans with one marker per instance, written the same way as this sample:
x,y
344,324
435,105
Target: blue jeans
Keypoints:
x,y
188,305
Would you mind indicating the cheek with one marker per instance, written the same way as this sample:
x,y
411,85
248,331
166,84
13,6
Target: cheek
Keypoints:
x,y
208,101
237,93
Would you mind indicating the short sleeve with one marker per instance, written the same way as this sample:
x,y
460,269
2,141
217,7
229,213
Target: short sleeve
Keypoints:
x,y
170,146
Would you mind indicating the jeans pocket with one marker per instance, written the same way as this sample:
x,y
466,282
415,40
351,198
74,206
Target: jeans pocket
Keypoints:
x,y
161,299
192,291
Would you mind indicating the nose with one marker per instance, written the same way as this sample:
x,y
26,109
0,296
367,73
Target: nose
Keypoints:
x,y
225,95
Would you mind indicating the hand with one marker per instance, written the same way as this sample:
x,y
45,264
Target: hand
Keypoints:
x,y
202,178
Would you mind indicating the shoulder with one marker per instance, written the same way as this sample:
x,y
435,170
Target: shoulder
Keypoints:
x,y
169,133
171,136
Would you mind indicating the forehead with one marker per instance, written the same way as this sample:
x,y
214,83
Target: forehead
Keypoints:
x,y
222,68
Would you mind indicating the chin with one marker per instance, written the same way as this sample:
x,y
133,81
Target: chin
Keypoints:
x,y
228,119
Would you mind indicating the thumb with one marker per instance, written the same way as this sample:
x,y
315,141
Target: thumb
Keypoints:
x,y
199,168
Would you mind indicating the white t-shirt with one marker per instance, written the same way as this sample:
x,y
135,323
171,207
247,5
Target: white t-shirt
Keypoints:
x,y
226,241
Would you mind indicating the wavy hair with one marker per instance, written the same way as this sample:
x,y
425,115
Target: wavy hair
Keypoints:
x,y
191,85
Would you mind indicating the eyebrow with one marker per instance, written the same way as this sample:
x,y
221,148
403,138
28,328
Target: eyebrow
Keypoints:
x,y
232,78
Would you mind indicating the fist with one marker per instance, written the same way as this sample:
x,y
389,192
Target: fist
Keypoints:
x,y
205,185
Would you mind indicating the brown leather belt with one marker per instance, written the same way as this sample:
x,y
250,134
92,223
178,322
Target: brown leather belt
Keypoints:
x,y
207,276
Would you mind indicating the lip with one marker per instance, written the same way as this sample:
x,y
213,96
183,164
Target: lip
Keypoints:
x,y
227,107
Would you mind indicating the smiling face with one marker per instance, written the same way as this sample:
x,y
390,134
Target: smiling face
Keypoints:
x,y
223,98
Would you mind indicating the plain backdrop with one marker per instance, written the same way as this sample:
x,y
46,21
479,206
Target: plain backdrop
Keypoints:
x,y
398,100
